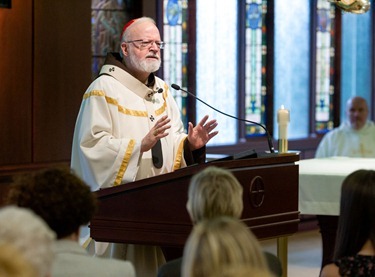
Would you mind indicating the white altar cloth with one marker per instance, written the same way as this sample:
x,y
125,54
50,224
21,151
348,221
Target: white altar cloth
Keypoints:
x,y
320,182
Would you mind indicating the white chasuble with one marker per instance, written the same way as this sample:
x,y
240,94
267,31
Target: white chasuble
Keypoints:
x,y
116,113
345,141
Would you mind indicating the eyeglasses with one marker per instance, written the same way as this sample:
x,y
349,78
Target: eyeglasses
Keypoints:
x,y
146,43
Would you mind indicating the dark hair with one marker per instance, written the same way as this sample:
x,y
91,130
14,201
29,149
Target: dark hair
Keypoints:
x,y
61,198
357,213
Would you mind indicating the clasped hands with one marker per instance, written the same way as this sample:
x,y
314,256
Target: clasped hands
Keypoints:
x,y
198,136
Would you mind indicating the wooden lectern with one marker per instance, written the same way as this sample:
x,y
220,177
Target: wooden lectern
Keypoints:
x,y
153,211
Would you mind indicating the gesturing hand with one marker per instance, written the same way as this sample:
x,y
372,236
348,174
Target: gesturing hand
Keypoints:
x,y
199,135
157,132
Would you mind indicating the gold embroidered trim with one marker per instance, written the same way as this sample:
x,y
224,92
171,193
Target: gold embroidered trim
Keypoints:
x,y
86,243
93,93
164,107
161,109
131,112
125,162
113,101
177,163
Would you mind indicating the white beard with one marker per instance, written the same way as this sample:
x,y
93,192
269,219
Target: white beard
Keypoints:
x,y
144,65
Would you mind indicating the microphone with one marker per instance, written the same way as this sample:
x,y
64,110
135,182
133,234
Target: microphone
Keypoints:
x,y
269,138
158,90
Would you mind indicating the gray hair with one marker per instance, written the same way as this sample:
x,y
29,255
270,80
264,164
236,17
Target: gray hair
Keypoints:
x,y
30,235
126,34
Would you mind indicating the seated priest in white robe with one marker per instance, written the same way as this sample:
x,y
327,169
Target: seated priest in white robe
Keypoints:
x,y
353,138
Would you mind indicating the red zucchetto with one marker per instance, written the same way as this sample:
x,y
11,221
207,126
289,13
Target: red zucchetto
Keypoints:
x,y
126,26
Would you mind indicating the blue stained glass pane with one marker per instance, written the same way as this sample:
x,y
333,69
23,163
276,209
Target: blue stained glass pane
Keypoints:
x,y
254,15
255,67
173,12
323,20
175,54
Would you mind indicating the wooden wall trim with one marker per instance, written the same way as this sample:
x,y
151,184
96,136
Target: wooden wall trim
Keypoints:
x,y
16,82
7,174
62,73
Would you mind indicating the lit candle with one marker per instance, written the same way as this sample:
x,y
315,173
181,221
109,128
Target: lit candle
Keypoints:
x,y
283,118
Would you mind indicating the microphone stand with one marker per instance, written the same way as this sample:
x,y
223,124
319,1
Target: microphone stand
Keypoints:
x,y
269,138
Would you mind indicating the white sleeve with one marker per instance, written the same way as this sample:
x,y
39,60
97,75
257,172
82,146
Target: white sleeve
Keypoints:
x,y
98,157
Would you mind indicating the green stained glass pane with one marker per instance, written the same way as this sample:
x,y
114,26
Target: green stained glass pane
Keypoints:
x,y
255,68
325,54
175,53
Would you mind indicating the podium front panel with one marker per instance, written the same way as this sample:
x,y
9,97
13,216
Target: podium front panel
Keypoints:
x,y
153,211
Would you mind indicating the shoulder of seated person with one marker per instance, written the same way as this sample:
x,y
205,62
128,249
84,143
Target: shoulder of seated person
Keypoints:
x,y
330,270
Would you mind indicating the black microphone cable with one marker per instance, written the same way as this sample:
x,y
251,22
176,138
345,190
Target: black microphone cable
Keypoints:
x,y
269,138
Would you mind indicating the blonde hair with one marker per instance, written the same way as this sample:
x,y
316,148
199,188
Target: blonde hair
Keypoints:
x,y
214,192
13,264
217,245
30,235
245,271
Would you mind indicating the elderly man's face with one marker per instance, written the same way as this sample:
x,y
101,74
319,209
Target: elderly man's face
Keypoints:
x,y
357,112
140,58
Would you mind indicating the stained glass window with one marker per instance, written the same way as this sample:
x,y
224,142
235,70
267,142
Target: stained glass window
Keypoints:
x,y
107,19
255,68
175,53
325,54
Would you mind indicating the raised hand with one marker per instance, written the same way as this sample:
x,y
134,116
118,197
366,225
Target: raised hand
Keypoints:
x,y
157,132
199,135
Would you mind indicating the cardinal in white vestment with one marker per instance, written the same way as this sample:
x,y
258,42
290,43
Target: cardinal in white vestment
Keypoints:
x,y
129,128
